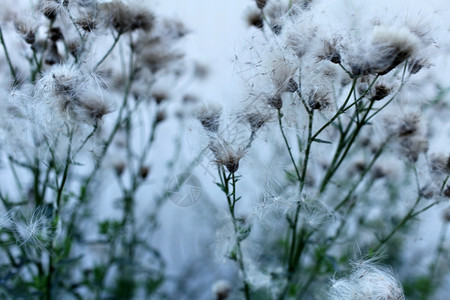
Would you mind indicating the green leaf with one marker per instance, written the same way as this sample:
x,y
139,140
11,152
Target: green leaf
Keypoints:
x,y
320,141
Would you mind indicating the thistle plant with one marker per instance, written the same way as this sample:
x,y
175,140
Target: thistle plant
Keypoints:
x,y
317,183
74,107
336,98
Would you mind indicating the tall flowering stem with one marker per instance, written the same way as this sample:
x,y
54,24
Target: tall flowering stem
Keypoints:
x,y
8,59
228,185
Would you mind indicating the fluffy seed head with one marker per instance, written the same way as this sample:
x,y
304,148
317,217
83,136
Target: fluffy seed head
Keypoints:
x,y
446,215
27,28
318,100
330,52
389,48
261,3
144,171
440,164
367,282
255,19
31,227
209,117
380,92
126,18
256,120
91,109
275,102
221,289
88,23
226,155
51,8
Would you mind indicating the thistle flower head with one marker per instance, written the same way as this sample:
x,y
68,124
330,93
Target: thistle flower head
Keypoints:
x,y
221,289
226,155
318,100
275,101
367,281
261,3
126,17
65,88
440,164
282,73
32,227
330,51
61,85
256,119
209,117
156,49
255,19
92,108
446,215
51,8
389,47
380,91
27,29
87,23
275,12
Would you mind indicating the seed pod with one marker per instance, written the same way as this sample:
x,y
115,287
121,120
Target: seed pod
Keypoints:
x,y
261,3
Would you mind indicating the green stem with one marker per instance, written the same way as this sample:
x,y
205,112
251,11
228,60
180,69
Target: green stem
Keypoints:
x,y
116,40
8,59
231,199
339,112
410,215
345,145
443,185
439,251
280,123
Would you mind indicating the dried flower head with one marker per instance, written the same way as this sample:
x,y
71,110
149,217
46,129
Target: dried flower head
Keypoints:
x,y
61,80
275,11
119,168
256,119
155,49
409,135
55,34
369,282
87,23
159,96
62,88
27,28
413,146
440,164
126,18
389,48
446,215
318,100
417,64
161,116
275,102
51,8
221,289
261,3
226,155
380,91
32,227
209,117
144,171
428,191
330,52
404,126
255,19
92,108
